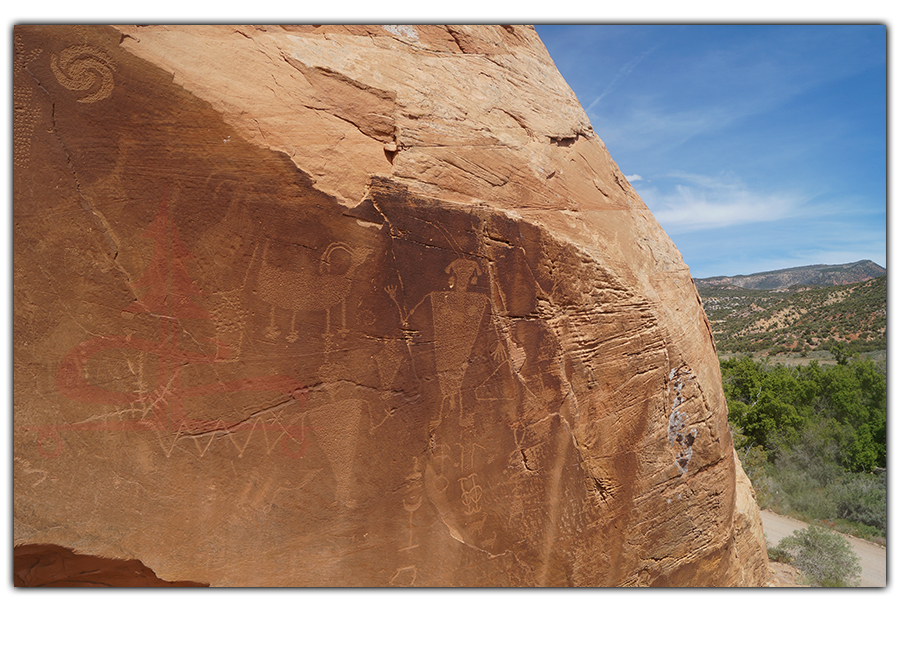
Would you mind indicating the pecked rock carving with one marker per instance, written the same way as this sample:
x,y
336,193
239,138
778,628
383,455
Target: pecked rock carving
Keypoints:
x,y
309,290
373,308
85,68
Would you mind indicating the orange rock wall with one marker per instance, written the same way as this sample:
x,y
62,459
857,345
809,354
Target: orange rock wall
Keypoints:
x,y
353,306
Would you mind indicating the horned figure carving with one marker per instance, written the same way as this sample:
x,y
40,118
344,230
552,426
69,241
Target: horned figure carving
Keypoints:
x,y
306,290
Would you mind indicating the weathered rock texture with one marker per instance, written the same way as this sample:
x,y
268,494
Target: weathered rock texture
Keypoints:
x,y
353,306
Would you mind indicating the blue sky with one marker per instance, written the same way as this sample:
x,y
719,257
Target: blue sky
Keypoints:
x,y
757,147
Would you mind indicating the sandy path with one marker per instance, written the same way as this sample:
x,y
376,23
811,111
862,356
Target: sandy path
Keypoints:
x,y
872,558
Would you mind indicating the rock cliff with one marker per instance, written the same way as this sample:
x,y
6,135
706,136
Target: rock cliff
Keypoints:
x,y
353,306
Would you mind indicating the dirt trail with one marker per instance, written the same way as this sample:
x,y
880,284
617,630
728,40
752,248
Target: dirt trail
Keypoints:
x,y
872,558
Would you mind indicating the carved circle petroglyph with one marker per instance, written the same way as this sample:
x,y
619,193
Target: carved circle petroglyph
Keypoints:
x,y
85,68
57,446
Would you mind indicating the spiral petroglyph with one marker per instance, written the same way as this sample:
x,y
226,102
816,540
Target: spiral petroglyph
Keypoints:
x,y
85,68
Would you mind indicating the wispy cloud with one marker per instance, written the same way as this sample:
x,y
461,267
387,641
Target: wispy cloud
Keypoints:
x,y
649,127
724,182
689,210
631,178
710,94
705,202
624,71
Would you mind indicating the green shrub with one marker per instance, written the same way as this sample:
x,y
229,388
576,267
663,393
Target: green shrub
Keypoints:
x,y
778,555
815,453
824,557
755,464
862,498
797,493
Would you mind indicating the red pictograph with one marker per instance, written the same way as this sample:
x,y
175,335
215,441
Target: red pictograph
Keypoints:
x,y
169,297
169,287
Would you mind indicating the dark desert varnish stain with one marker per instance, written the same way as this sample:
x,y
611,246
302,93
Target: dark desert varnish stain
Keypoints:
x,y
49,565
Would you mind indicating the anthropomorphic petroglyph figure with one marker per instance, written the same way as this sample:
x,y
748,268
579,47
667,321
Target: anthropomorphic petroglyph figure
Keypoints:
x,y
304,290
337,427
457,315
389,359
412,500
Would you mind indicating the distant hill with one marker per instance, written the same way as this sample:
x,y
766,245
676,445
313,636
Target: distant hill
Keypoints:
x,y
803,318
808,275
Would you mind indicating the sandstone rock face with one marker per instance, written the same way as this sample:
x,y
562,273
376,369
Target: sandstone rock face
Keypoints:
x,y
47,565
353,306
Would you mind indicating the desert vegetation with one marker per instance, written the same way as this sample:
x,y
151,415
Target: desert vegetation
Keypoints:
x,y
812,439
799,319
823,557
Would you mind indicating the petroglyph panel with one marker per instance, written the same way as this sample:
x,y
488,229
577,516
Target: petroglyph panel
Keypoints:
x,y
223,369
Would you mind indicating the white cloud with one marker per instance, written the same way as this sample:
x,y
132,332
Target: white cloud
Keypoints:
x,y
631,178
700,201
687,211
726,181
716,202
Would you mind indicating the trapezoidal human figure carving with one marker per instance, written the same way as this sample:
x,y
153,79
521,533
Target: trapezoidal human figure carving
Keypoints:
x,y
457,315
